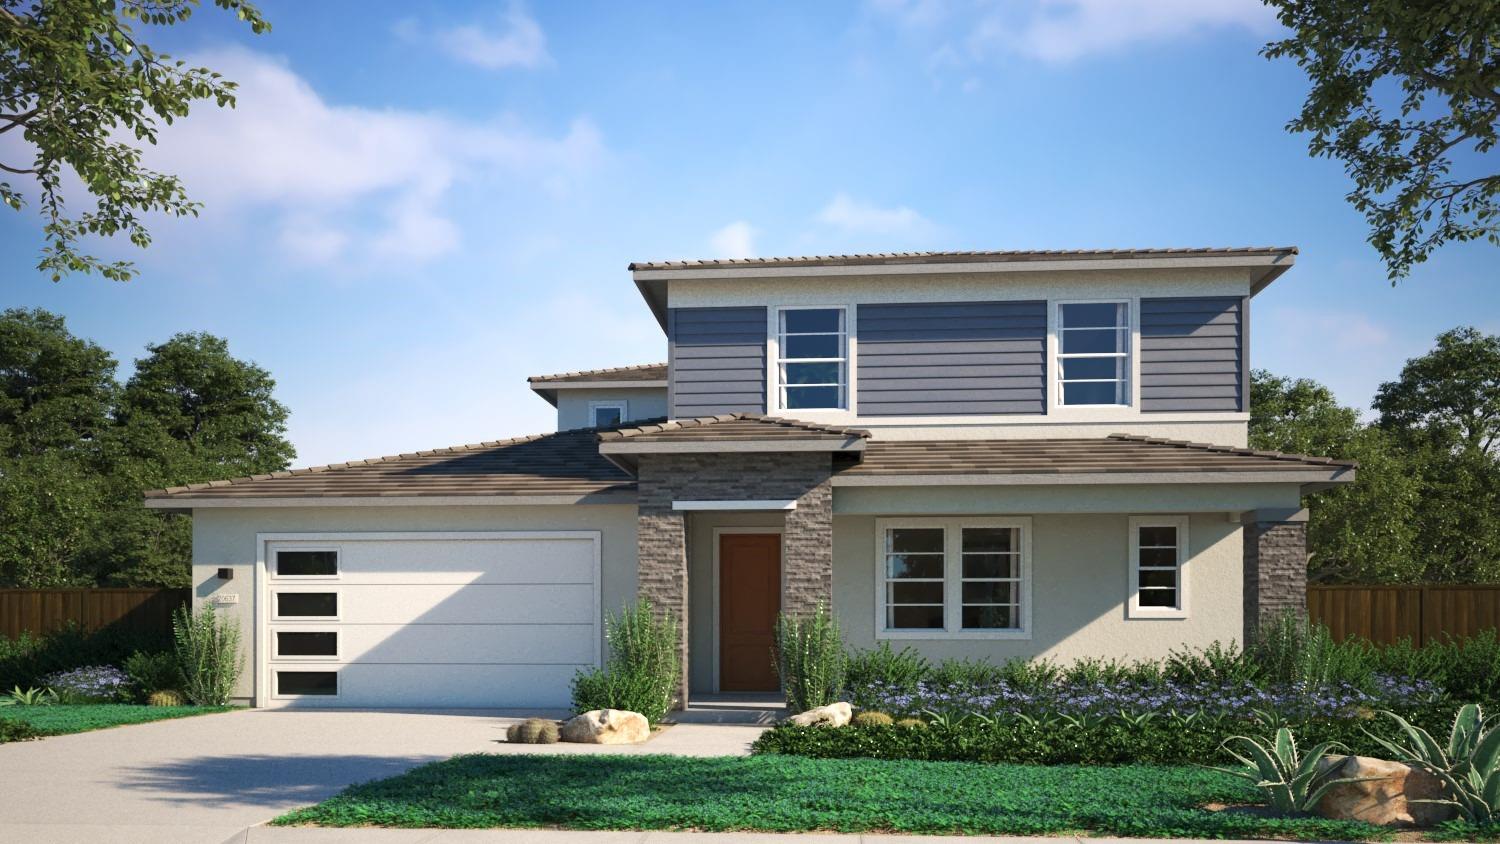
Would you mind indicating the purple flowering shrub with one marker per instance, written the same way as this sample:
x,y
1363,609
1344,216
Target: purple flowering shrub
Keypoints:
x,y
1295,702
89,684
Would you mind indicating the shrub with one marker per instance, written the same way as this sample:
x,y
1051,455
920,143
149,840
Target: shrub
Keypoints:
x,y
89,684
873,719
208,655
153,672
28,697
166,697
532,731
810,659
911,723
12,730
883,667
644,668
25,660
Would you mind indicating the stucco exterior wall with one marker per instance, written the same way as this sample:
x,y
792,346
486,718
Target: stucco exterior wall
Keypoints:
x,y
226,537
1080,575
640,403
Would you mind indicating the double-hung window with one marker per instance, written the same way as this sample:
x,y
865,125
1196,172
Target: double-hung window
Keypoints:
x,y
1158,553
812,359
940,578
1093,353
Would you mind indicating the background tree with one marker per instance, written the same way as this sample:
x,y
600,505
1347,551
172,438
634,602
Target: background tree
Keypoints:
x,y
1439,65
1362,532
77,450
76,78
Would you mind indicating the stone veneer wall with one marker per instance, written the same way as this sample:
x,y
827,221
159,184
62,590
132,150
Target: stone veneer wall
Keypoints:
x,y
807,538
1275,571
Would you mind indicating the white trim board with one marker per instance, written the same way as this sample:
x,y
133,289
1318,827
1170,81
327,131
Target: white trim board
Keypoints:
x,y
751,504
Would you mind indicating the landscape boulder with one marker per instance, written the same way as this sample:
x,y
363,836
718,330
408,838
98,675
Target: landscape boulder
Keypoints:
x,y
832,715
1385,800
607,726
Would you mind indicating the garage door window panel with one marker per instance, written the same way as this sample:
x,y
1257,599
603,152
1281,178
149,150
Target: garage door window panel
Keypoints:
x,y
306,683
306,564
299,605
306,644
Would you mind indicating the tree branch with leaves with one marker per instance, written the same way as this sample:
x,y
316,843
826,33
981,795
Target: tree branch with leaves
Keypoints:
x,y
1398,88
85,92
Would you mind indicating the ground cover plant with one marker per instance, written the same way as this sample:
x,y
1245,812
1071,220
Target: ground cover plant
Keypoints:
x,y
784,794
25,722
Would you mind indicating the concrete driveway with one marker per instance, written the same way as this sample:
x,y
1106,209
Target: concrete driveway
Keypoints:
x,y
207,778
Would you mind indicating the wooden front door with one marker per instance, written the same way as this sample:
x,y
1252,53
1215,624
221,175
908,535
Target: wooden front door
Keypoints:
x,y
749,599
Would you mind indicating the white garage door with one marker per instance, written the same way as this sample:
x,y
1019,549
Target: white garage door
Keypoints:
x,y
428,620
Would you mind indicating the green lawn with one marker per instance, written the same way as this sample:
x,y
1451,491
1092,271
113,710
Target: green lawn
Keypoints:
x,y
787,794
33,721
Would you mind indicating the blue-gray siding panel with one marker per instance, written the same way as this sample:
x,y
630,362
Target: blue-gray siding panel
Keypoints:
x,y
1193,354
952,359
716,361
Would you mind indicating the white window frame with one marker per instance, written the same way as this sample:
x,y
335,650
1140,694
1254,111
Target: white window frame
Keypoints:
x,y
338,564
1130,376
275,608
338,681
620,405
775,360
338,644
1133,604
953,577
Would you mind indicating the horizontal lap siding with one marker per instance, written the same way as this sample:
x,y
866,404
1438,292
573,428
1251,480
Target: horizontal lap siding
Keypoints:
x,y
718,361
1193,354
952,359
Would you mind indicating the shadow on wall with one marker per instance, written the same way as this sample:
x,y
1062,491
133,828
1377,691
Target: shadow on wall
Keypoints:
x,y
259,780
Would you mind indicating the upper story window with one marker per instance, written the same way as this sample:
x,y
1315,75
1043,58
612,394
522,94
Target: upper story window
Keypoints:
x,y
812,363
606,414
1093,353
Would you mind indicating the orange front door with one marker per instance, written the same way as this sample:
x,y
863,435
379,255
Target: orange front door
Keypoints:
x,y
749,599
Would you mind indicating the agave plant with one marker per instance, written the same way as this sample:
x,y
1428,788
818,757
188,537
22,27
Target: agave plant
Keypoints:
x,y
1289,779
28,697
1468,765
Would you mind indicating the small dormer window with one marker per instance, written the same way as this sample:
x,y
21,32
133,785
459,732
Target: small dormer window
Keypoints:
x,y
1093,353
812,364
606,414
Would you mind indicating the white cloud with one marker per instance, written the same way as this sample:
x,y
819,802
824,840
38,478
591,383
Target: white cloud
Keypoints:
x,y
736,240
855,216
517,41
1060,31
341,181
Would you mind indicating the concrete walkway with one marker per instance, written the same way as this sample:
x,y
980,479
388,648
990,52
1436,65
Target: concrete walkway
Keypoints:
x,y
209,778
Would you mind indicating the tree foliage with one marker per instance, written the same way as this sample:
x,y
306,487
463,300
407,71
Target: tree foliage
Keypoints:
x,y
85,91
1423,507
1399,89
77,449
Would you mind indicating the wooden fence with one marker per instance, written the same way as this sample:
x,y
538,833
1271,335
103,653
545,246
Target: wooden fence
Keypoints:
x,y
40,610
1388,614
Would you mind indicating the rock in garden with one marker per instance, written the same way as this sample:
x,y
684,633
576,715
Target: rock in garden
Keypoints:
x,y
832,715
607,726
1386,800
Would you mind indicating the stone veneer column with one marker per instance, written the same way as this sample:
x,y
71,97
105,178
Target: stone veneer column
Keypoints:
x,y
1275,568
807,538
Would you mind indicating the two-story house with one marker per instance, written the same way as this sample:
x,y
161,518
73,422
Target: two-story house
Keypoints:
x,y
980,454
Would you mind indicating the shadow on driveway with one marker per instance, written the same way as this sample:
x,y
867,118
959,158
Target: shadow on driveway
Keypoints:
x,y
260,780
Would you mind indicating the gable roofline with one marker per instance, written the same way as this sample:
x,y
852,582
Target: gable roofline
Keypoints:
x,y
1266,263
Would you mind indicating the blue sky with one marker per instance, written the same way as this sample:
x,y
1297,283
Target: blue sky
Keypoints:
x,y
415,206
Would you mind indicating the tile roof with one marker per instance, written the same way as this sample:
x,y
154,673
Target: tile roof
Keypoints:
x,y
1119,453
886,258
562,464
730,427
638,372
